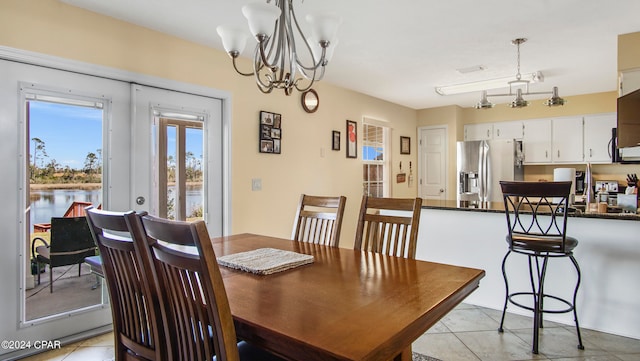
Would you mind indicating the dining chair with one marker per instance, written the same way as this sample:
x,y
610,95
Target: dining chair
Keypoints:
x,y
192,294
69,244
319,220
537,228
389,226
137,318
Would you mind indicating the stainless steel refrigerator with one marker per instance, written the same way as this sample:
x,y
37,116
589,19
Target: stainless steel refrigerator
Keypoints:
x,y
482,164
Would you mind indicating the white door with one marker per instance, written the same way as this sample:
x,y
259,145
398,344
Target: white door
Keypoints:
x,y
150,105
21,85
432,162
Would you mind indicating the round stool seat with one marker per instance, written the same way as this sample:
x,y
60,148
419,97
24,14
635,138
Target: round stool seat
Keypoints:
x,y
530,243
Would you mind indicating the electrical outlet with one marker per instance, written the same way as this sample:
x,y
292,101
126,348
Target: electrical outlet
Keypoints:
x,y
256,184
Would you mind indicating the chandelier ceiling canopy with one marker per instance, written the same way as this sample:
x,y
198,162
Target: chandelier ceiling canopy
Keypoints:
x,y
284,57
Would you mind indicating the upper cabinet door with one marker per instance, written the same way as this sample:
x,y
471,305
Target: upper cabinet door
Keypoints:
x,y
483,131
507,130
567,140
536,141
597,137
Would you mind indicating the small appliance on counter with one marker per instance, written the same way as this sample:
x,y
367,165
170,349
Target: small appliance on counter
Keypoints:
x,y
566,174
628,203
607,192
579,182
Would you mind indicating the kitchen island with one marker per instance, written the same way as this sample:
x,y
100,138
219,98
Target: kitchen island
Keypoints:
x,y
608,253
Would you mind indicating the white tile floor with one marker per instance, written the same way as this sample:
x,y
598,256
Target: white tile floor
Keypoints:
x,y
470,333
466,333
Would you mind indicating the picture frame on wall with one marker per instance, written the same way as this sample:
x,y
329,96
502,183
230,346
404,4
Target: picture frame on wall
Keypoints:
x,y
335,140
352,139
405,145
270,130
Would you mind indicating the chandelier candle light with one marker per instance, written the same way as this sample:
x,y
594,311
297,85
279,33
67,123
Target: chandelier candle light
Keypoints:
x,y
284,56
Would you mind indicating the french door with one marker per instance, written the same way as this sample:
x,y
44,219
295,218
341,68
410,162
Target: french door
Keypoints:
x,y
132,117
163,121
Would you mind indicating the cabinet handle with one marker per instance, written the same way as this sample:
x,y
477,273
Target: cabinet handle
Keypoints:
x,y
498,132
590,153
546,154
558,153
488,133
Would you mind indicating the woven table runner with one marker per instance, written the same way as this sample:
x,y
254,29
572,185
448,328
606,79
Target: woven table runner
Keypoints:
x,y
264,261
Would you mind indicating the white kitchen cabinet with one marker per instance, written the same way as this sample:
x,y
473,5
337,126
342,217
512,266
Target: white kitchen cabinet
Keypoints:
x,y
482,131
507,130
536,141
597,137
567,141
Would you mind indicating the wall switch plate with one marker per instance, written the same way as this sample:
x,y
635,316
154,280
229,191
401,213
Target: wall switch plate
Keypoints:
x,y
256,184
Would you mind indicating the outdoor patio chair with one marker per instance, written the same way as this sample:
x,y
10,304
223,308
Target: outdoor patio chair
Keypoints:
x,y
70,244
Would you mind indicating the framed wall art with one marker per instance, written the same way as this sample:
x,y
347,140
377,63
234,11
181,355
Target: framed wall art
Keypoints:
x,y
270,132
352,139
335,140
405,145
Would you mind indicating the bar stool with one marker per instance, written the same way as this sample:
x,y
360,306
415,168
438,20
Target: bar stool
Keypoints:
x,y
537,222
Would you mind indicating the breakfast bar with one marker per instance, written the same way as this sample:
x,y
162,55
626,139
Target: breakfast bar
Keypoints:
x,y
608,254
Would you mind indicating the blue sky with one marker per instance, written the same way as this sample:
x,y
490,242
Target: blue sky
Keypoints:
x,y
70,132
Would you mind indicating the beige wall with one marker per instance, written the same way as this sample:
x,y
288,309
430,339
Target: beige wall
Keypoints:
x,y
61,30
628,51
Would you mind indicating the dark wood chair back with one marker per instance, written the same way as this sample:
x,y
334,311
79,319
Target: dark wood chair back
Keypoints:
x,y
319,220
382,229
192,292
137,318
537,215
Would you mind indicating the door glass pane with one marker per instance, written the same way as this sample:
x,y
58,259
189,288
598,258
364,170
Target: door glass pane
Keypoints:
x,y
65,175
183,150
171,172
194,169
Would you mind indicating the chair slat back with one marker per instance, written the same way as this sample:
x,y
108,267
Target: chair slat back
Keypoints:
x,y
388,226
319,220
136,316
199,319
537,209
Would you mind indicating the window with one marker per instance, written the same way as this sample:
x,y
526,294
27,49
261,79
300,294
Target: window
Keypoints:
x,y
181,190
64,169
374,155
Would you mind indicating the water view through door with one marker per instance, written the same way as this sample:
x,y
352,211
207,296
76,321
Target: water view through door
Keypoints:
x,y
47,203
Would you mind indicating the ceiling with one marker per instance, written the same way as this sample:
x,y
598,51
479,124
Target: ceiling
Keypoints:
x,y
400,50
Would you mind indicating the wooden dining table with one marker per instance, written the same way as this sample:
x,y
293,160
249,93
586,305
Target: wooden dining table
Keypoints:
x,y
346,305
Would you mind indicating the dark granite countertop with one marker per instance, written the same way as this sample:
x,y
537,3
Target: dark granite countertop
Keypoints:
x,y
498,207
